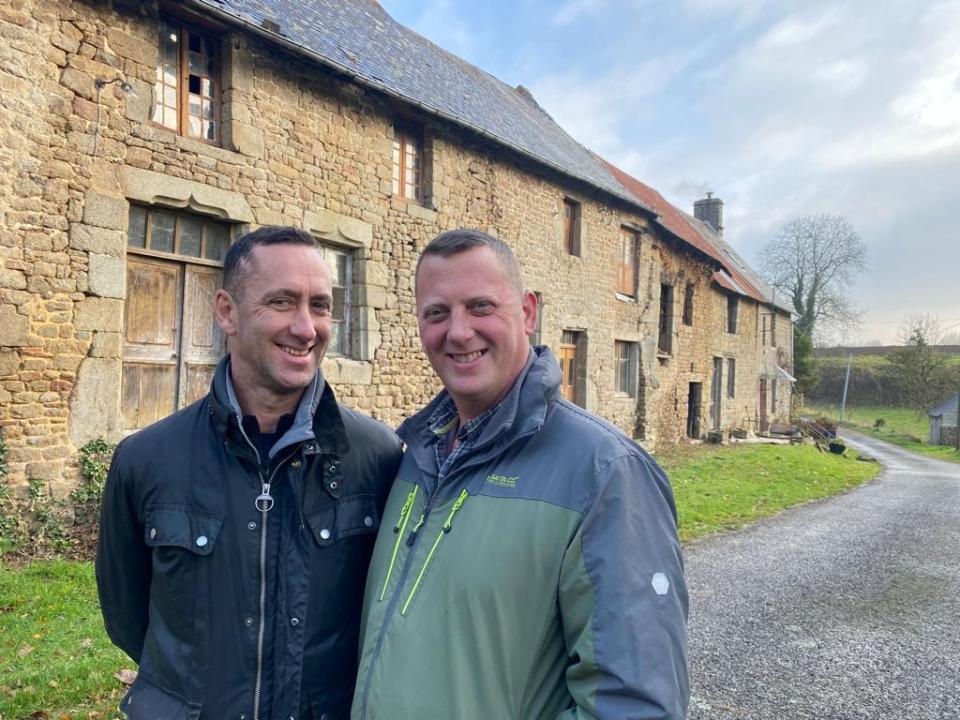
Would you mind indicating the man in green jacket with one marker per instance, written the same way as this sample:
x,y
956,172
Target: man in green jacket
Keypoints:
x,y
528,564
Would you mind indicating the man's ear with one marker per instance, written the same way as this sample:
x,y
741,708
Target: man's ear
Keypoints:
x,y
530,311
225,312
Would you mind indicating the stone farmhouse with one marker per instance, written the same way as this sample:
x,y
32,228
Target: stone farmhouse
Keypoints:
x,y
139,139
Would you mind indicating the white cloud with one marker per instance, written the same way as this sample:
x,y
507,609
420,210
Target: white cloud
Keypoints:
x,y
572,9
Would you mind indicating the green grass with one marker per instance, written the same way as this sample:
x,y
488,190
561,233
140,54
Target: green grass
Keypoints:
x,y
724,487
907,428
55,657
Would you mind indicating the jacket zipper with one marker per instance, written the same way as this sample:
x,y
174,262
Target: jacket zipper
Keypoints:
x,y
395,598
399,529
444,529
263,503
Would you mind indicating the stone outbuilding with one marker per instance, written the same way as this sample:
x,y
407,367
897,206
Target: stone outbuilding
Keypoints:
x,y
943,422
140,139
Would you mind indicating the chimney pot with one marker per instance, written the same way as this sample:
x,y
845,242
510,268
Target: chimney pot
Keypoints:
x,y
710,211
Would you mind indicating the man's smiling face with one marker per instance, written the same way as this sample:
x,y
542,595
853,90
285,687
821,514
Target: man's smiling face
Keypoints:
x,y
279,327
474,324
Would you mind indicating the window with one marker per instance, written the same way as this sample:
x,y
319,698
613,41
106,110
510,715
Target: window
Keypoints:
x,y
171,343
572,351
340,261
733,305
731,377
627,263
665,340
537,337
187,89
626,367
571,227
688,304
154,230
773,327
408,181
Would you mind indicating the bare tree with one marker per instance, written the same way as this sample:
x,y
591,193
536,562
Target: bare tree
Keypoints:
x,y
814,260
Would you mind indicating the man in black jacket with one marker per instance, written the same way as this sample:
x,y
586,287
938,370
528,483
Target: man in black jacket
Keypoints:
x,y
235,534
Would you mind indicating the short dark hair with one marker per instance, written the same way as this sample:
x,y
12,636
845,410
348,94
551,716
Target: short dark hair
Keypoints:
x,y
454,242
234,264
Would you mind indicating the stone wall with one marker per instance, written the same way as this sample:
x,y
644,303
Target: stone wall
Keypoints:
x,y
299,146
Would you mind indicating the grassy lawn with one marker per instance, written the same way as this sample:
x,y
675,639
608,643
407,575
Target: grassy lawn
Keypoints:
x,y
901,426
55,657
56,661
724,487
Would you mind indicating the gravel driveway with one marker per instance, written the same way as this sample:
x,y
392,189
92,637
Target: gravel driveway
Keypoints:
x,y
844,608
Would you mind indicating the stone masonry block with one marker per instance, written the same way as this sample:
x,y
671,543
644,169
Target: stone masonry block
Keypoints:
x,y
95,313
106,276
9,362
14,327
131,47
106,344
105,211
12,279
97,240
95,402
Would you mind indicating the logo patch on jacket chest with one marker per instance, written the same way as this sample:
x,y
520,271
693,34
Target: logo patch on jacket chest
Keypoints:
x,y
502,480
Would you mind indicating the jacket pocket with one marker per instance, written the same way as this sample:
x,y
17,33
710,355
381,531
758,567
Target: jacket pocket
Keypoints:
x,y
182,539
146,701
182,526
348,516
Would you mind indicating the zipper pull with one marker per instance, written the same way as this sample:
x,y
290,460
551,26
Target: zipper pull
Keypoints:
x,y
407,504
454,510
264,501
413,533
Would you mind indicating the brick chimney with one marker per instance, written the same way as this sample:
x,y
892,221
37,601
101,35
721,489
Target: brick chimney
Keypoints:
x,y
710,211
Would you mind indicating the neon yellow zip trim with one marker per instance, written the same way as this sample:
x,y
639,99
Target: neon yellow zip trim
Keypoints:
x,y
399,529
448,523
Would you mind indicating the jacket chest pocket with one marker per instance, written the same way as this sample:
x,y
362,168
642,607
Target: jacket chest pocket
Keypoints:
x,y
182,539
346,517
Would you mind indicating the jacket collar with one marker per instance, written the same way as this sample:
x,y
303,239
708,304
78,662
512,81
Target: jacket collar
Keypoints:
x,y
521,413
317,421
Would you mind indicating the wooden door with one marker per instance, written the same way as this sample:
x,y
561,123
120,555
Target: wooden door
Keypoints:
x,y
171,340
568,371
202,339
151,335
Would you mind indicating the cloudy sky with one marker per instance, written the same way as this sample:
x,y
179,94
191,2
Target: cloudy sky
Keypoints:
x,y
781,108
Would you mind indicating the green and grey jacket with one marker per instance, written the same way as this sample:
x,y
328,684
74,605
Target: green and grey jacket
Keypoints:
x,y
540,578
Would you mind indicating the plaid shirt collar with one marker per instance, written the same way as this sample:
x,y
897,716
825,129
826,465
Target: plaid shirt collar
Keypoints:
x,y
445,419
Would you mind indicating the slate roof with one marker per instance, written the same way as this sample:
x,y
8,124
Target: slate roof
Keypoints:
x,y
947,410
734,274
359,39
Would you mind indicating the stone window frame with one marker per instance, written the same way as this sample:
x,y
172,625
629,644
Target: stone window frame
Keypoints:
x,y
628,263
571,235
409,134
733,312
626,354
342,316
367,294
206,33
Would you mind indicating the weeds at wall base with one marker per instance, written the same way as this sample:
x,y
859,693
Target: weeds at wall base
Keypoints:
x,y
41,526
